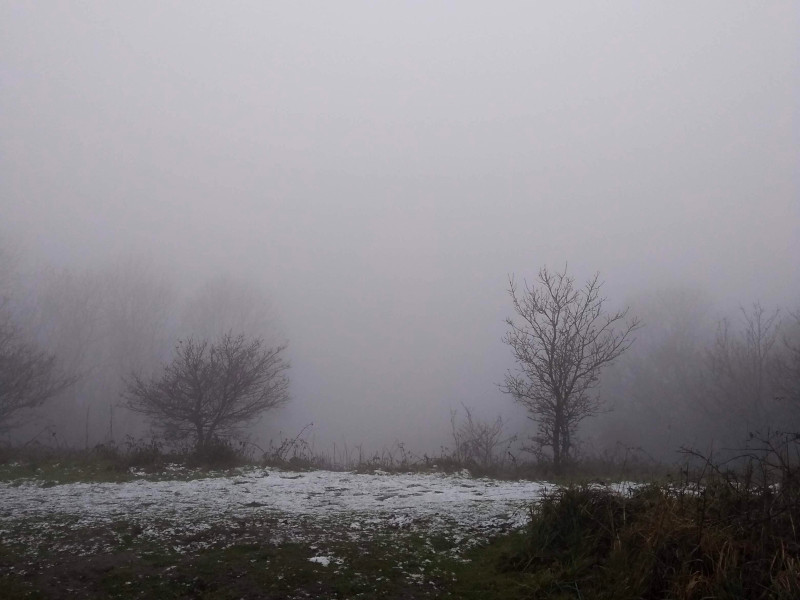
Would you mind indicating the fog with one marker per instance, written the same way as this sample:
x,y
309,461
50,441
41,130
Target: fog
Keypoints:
x,y
366,176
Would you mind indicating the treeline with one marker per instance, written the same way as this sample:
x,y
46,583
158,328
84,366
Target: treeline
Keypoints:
x,y
102,324
692,376
697,378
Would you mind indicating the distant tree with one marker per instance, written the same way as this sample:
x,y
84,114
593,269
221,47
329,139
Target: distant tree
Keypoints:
x,y
739,386
225,303
211,389
479,442
657,390
28,376
561,341
786,368
101,323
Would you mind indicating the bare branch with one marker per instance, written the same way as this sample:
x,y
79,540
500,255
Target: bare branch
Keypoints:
x,y
28,376
212,388
561,341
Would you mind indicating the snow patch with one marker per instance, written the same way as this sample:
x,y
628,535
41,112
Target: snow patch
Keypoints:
x,y
300,507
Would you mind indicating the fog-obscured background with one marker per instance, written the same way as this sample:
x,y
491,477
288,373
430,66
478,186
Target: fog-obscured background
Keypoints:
x,y
360,179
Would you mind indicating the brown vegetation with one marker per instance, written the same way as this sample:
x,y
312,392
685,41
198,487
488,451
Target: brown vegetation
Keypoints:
x,y
722,533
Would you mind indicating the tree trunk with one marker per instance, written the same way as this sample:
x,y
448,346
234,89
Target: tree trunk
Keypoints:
x,y
557,446
560,437
201,440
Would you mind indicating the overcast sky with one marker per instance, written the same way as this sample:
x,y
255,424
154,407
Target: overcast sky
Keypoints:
x,y
382,167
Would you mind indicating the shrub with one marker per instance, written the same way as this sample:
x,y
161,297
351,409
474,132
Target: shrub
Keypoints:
x,y
720,534
218,454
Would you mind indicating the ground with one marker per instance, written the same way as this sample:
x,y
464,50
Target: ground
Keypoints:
x,y
252,533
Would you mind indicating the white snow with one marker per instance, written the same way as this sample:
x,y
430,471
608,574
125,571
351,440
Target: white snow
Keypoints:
x,y
297,506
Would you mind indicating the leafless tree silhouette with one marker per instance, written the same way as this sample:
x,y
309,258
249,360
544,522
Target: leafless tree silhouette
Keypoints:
x,y
211,389
561,340
738,388
786,369
28,376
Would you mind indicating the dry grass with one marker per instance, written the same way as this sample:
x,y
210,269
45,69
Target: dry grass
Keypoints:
x,y
721,533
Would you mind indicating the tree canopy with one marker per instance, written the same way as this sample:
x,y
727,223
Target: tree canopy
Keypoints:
x,y
28,376
561,340
211,388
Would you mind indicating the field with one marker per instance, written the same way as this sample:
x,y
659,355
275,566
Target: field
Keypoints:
x,y
251,533
95,530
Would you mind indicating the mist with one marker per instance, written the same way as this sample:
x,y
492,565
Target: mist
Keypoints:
x,y
361,179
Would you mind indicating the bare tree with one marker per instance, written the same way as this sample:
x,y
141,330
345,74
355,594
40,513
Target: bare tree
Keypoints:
x,y
786,368
738,392
101,323
478,442
225,303
28,376
561,341
656,390
211,389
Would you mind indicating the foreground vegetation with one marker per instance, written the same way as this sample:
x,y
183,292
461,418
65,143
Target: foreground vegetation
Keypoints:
x,y
714,531
392,565
253,549
157,459
723,531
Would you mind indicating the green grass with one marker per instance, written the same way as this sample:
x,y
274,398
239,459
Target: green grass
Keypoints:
x,y
583,542
157,459
60,472
392,565
76,468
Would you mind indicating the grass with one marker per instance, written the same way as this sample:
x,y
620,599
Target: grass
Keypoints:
x,y
111,463
244,557
583,542
391,565
724,533
157,460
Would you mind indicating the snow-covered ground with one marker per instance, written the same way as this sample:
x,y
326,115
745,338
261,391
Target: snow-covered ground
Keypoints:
x,y
315,506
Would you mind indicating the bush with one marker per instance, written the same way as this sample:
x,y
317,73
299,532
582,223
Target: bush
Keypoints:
x,y
218,454
721,534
